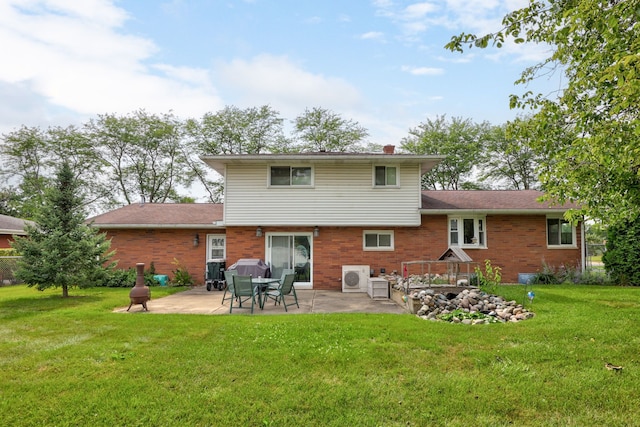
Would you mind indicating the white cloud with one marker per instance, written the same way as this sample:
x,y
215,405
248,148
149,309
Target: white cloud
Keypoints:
x,y
422,71
418,10
73,55
313,20
471,16
277,81
373,35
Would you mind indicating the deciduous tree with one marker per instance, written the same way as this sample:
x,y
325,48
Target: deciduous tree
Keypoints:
x,y
319,129
144,155
31,156
459,140
510,163
588,134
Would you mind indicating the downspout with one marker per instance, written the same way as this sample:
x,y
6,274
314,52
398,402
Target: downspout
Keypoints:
x,y
583,249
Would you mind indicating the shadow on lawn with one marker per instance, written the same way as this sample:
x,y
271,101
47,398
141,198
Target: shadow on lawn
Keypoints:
x,y
38,304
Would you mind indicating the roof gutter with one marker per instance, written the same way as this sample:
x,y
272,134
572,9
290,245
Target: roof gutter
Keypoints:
x,y
492,211
8,231
157,226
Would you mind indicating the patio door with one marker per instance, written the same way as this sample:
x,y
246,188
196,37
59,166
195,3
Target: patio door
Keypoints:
x,y
291,251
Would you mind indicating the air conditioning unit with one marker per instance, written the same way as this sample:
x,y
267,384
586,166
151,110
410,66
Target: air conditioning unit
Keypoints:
x,y
354,278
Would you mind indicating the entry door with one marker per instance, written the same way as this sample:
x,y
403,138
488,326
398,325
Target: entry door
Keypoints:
x,y
215,246
291,251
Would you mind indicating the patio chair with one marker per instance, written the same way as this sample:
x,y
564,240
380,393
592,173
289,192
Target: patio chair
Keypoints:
x,y
243,291
286,288
228,278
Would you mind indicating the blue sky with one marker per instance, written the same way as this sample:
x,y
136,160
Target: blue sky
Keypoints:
x,y
381,63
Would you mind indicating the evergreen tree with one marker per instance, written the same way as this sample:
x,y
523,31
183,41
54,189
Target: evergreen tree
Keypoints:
x,y
61,250
622,254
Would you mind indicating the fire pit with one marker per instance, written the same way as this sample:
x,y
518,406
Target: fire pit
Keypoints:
x,y
140,293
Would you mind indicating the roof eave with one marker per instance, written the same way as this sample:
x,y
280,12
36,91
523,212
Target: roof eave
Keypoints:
x,y
426,162
494,211
157,226
10,231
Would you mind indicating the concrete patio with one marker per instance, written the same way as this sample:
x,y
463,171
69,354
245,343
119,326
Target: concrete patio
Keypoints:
x,y
200,301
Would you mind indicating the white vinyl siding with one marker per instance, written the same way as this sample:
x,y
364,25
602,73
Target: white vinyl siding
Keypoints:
x,y
385,176
341,195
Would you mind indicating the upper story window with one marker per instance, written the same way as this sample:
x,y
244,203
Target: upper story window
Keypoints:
x,y
377,240
290,176
468,231
385,176
560,233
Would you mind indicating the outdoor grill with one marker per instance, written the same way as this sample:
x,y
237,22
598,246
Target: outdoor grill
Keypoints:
x,y
251,267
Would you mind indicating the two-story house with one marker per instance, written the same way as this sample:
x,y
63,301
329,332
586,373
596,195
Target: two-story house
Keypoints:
x,y
316,212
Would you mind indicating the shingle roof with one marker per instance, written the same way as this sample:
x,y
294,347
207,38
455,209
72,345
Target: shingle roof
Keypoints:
x,y
210,215
487,200
161,215
12,225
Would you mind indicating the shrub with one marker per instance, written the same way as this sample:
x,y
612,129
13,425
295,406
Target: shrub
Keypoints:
x,y
490,279
181,276
564,274
8,252
622,254
591,277
118,278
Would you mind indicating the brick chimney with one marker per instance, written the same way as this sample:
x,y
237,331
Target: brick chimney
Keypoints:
x,y
388,149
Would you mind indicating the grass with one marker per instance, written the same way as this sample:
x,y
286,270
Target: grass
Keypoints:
x,y
72,361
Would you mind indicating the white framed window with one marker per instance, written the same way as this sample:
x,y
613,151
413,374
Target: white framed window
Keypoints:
x,y
377,240
560,233
386,176
290,176
216,246
468,231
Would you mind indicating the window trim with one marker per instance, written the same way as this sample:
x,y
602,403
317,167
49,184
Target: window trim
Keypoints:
x,y
373,176
574,237
460,231
390,233
213,236
291,167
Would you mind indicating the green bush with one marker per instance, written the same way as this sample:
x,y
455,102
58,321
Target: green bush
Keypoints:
x,y
8,252
181,277
118,278
564,274
622,254
490,279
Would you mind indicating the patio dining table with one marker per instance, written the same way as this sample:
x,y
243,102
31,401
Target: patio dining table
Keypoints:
x,y
262,284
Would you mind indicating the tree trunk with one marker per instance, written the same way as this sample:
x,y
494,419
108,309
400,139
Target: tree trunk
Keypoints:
x,y
65,291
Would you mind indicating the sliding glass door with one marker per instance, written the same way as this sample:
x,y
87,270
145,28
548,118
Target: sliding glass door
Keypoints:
x,y
291,251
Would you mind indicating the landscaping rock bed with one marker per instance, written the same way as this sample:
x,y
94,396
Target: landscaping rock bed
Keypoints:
x,y
471,307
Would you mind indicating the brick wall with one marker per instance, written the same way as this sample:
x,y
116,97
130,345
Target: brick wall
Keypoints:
x,y
516,243
161,247
5,240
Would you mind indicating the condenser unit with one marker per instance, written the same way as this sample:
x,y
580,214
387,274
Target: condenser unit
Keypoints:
x,y
354,278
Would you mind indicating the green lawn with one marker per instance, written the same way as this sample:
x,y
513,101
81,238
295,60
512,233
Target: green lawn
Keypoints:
x,y
70,362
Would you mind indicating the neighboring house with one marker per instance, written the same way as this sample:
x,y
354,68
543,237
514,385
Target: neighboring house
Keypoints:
x,y
317,212
9,227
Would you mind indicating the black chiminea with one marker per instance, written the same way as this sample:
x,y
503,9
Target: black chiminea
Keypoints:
x,y
140,293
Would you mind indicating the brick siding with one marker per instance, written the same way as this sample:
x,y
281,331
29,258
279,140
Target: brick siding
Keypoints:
x,y
516,243
161,247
